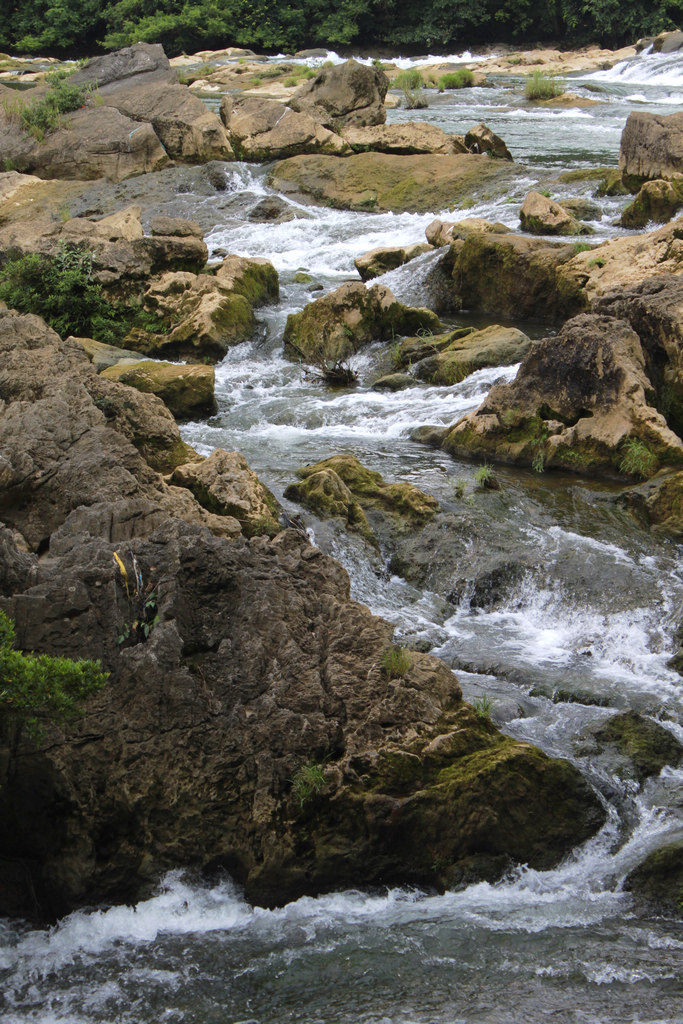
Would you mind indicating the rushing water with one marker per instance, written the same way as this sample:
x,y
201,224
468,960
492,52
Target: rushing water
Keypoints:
x,y
592,612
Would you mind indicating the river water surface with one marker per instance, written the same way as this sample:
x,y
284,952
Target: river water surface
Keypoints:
x,y
592,613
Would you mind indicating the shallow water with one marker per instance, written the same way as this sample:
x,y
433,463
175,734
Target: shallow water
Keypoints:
x,y
592,612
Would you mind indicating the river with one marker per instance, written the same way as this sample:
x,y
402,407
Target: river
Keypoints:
x,y
592,612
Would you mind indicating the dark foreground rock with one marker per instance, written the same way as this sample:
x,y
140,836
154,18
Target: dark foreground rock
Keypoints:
x,y
659,879
255,719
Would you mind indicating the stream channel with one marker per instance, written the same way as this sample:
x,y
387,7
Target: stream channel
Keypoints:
x,y
591,612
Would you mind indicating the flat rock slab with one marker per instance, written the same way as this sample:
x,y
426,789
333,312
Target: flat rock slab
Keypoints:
x,y
382,181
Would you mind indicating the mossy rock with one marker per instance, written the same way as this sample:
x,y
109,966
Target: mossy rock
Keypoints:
x,y
492,346
656,201
187,390
256,279
659,879
647,745
326,494
338,484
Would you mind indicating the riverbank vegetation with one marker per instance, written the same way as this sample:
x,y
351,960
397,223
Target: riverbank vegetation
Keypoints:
x,y
84,26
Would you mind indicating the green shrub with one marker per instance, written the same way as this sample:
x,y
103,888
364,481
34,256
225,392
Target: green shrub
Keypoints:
x,y
637,459
35,687
396,662
460,79
542,87
44,115
307,782
61,290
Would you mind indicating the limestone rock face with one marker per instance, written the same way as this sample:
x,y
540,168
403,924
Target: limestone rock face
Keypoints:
x,y
254,669
348,94
223,483
412,137
266,130
379,261
187,390
542,216
140,64
651,147
338,324
580,401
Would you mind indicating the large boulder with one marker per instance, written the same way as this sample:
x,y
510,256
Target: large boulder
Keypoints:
x,y
646,746
344,94
441,232
542,216
266,130
654,309
412,137
580,401
656,201
651,147
137,65
464,353
341,322
481,139
386,181
659,878
658,502
187,390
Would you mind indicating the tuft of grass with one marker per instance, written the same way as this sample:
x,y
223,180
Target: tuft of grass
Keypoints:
x,y
484,475
307,782
396,662
463,78
580,247
637,459
411,83
542,87
460,488
44,115
483,707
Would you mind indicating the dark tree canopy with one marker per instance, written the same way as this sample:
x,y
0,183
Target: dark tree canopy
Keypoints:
x,y
73,27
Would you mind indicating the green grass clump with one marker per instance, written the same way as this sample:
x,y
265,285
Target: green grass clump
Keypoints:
x,y
396,662
62,291
45,114
542,87
483,707
484,475
637,459
411,83
463,78
307,782
37,688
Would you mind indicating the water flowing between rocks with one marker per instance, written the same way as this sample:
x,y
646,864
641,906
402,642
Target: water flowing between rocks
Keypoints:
x,y
591,612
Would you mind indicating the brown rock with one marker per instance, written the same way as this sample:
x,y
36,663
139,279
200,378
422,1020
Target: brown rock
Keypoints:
x,y
187,390
225,485
542,216
345,94
412,137
656,201
651,147
481,139
265,130
378,261
441,232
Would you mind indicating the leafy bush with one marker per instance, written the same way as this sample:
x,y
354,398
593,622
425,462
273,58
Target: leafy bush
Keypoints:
x,y
460,79
36,687
396,662
61,289
410,83
45,114
542,87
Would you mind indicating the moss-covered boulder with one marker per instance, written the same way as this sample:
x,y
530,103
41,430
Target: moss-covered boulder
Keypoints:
x,y
580,401
659,502
464,354
187,390
647,745
659,879
542,216
225,485
343,486
385,181
341,322
656,201
460,803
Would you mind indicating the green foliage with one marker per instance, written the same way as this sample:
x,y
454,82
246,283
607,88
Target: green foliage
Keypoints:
x,y
460,79
580,247
307,782
396,662
410,83
542,87
44,115
483,707
61,289
483,475
37,688
637,459
142,602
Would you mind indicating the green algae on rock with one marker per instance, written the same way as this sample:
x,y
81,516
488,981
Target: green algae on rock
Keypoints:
x,y
187,390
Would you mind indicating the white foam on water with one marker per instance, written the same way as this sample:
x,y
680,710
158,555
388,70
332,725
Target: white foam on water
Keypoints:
x,y
663,70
